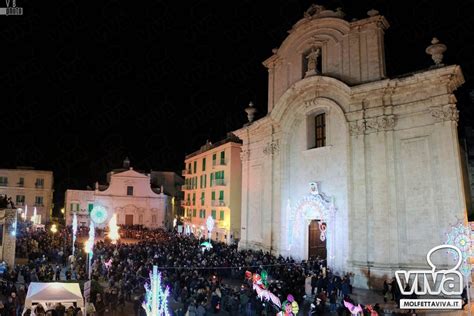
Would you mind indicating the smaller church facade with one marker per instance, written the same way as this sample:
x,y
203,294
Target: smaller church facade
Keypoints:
x,y
128,195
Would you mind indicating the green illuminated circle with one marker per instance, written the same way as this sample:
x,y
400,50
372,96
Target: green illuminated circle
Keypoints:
x,y
99,214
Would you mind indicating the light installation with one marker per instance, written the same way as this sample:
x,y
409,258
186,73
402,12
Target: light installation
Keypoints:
x,y
206,246
460,237
89,246
15,224
33,218
210,226
260,286
156,300
99,214
54,229
113,229
74,232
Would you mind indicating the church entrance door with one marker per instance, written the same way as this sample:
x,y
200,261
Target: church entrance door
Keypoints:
x,y
316,246
129,219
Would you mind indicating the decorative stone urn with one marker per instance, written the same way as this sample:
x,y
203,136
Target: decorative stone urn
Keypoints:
x,y
436,51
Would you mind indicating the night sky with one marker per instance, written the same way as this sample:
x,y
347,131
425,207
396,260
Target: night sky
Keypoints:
x,y
84,85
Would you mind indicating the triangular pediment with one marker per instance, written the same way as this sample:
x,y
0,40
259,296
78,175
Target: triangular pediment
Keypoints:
x,y
130,174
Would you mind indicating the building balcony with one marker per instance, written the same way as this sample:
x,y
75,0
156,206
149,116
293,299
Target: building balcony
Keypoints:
x,y
185,172
217,203
186,187
3,184
185,203
219,162
217,182
39,186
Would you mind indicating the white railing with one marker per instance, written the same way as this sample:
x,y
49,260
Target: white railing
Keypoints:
x,y
218,182
218,203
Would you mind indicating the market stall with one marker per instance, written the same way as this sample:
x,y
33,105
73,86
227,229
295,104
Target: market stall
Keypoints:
x,y
49,294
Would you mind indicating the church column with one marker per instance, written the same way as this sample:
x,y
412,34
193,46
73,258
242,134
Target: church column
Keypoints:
x,y
357,213
379,144
245,156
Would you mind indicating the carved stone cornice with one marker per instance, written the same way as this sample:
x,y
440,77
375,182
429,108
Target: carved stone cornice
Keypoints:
x,y
272,148
357,127
443,113
245,154
380,123
371,125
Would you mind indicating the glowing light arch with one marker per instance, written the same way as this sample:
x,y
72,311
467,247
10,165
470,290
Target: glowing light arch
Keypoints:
x,y
314,206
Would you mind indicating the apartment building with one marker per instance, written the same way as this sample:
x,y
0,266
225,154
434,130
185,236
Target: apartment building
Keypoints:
x,y
212,187
29,188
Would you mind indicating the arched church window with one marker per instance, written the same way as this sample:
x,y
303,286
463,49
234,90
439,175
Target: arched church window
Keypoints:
x,y
316,130
312,62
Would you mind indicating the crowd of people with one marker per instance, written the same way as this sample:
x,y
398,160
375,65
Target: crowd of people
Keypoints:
x,y
201,282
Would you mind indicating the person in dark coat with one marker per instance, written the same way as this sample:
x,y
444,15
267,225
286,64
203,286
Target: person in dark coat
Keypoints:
x,y
99,305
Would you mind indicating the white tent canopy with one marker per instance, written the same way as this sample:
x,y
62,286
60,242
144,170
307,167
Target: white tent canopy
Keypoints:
x,y
52,293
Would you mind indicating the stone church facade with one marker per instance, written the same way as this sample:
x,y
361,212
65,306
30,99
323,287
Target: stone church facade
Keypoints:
x,y
375,160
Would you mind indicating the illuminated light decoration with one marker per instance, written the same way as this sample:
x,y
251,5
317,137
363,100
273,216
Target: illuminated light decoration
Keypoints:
x,y
54,229
108,264
74,232
261,289
460,237
25,213
156,300
114,229
206,246
210,226
174,222
89,247
314,206
33,218
99,214
353,309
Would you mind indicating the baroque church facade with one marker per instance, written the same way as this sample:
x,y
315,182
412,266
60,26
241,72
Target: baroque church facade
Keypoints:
x,y
349,164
